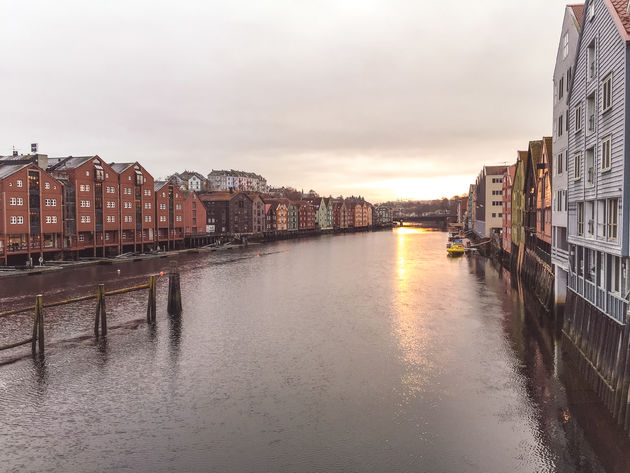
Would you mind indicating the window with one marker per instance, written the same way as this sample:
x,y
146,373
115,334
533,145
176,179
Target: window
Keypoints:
x,y
19,183
601,219
12,201
147,192
590,167
580,218
590,110
87,173
127,190
590,54
565,45
13,220
559,163
607,93
81,237
162,218
560,124
147,218
111,219
48,219
561,88
85,203
50,202
590,219
569,78
611,227
178,206
578,118
577,170
494,215
606,149
147,205
47,185
178,218
85,219
111,204
162,206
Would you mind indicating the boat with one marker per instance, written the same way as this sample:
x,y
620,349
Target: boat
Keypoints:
x,y
456,248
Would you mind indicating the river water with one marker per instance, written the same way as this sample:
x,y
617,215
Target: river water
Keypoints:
x,y
370,352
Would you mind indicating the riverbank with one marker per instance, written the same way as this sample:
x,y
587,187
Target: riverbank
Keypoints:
x,y
64,266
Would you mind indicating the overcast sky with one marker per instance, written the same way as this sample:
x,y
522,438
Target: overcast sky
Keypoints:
x,y
387,99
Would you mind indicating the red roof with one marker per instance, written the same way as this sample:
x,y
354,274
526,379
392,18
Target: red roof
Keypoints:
x,y
578,11
621,8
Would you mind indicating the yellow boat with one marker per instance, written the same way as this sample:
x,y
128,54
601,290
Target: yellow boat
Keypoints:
x,y
456,248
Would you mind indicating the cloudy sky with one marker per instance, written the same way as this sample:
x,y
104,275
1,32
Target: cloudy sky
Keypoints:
x,y
387,99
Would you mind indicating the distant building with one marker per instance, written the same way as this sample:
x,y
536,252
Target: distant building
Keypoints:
x,y
221,180
383,215
228,212
489,203
191,180
306,215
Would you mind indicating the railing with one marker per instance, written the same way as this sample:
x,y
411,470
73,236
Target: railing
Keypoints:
x,y
612,305
617,308
100,321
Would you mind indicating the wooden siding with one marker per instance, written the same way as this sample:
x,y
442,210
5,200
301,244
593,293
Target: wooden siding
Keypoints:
x,y
610,58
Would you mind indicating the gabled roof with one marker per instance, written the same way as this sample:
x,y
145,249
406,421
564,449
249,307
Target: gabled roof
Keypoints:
x,y
621,16
220,196
494,170
578,11
157,185
535,151
7,169
68,163
120,167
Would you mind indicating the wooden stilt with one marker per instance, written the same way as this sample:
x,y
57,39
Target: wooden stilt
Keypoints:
x,y
97,319
174,292
40,324
101,290
35,326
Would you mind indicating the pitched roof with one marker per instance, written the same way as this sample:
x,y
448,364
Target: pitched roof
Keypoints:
x,y
157,185
220,196
578,11
120,167
7,169
623,18
69,162
494,170
535,150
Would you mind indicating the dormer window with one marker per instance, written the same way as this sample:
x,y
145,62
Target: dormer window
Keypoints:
x,y
139,178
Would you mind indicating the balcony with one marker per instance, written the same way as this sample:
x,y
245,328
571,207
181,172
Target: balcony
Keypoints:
x,y
610,304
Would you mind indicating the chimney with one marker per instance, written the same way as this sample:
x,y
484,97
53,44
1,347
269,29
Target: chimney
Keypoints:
x,y
15,152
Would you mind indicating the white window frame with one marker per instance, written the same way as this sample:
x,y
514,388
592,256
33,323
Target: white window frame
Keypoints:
x,y
606,147
577,166
607,99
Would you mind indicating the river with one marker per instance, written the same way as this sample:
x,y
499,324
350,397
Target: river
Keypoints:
x,y
369,352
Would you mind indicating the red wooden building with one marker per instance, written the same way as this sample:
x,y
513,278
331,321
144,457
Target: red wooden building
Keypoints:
x,y
169,215
91,205
194,214
31,214
136,207
306,215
